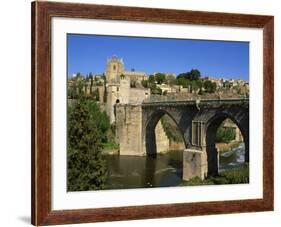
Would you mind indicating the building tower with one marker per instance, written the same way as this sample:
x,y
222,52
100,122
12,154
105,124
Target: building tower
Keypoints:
x,y
118,86
114,69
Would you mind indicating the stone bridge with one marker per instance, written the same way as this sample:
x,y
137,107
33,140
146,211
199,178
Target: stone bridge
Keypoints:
x,y
197,120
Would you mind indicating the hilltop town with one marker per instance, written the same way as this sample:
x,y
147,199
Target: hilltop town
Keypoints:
x,y
117,85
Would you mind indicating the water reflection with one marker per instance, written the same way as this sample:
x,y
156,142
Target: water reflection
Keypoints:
x,y
163,170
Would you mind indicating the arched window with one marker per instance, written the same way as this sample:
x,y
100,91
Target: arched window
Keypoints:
x,y
114,67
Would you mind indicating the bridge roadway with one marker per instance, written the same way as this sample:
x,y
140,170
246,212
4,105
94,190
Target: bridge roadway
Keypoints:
x,y
200,102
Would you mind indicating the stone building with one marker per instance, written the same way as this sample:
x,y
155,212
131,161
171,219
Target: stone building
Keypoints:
x,y
118,86
115,70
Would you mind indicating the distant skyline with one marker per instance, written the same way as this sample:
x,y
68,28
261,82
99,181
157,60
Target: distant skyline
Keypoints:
x,y
220,59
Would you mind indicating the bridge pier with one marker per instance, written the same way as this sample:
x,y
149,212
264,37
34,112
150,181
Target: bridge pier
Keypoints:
x,y
193,164
129,129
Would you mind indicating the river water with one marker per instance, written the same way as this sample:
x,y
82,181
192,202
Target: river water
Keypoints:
x,y
233,159
164,170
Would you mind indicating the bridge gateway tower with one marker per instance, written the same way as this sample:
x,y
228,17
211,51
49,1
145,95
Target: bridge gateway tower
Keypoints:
x,y
118,86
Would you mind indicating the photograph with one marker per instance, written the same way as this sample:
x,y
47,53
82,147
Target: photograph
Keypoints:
x,y
142,112
146,112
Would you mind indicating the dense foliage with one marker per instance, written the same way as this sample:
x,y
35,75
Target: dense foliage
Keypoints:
x,y
171,129
160,78
151,83
80,84
225,135
191,80
194,82
194,74
236,176
209,86
86,132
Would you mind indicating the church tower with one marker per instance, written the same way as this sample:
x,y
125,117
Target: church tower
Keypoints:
x,y
114,68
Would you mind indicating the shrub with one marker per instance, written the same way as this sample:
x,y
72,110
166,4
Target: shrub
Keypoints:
x,y
225,135
237,176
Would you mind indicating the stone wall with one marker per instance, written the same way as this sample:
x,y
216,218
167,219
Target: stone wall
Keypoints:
x,y
176,145
137,95
111,101
192,164
162,141
101,91
129,129
122,93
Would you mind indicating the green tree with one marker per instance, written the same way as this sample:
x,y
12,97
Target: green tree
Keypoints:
x,y
92,82
194,74
100,118
160,78
209,86
105,89
225,135
96,95
194,85
72,91
144,83
182,81
151,79
85,165
80,86
199,84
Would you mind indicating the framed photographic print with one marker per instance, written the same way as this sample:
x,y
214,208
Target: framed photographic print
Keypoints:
x,y
144,113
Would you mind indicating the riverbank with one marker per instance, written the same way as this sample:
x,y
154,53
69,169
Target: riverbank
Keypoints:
x,y
225,147
236,176
110,148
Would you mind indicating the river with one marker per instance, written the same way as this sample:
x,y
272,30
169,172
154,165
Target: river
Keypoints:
x,y
233,159
164,170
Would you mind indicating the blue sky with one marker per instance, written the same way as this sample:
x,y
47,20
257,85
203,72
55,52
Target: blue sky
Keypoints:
x,y
223,59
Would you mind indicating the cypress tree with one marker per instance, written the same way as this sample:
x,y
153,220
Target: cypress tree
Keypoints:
x,y
86,167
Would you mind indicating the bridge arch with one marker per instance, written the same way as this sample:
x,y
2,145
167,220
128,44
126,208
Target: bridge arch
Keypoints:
x,y
149,132
242,122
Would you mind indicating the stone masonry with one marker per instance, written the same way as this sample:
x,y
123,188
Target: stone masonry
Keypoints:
x,y
129,129
162,140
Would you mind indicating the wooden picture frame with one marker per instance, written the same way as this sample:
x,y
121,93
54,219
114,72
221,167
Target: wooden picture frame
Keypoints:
x,y
42,13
